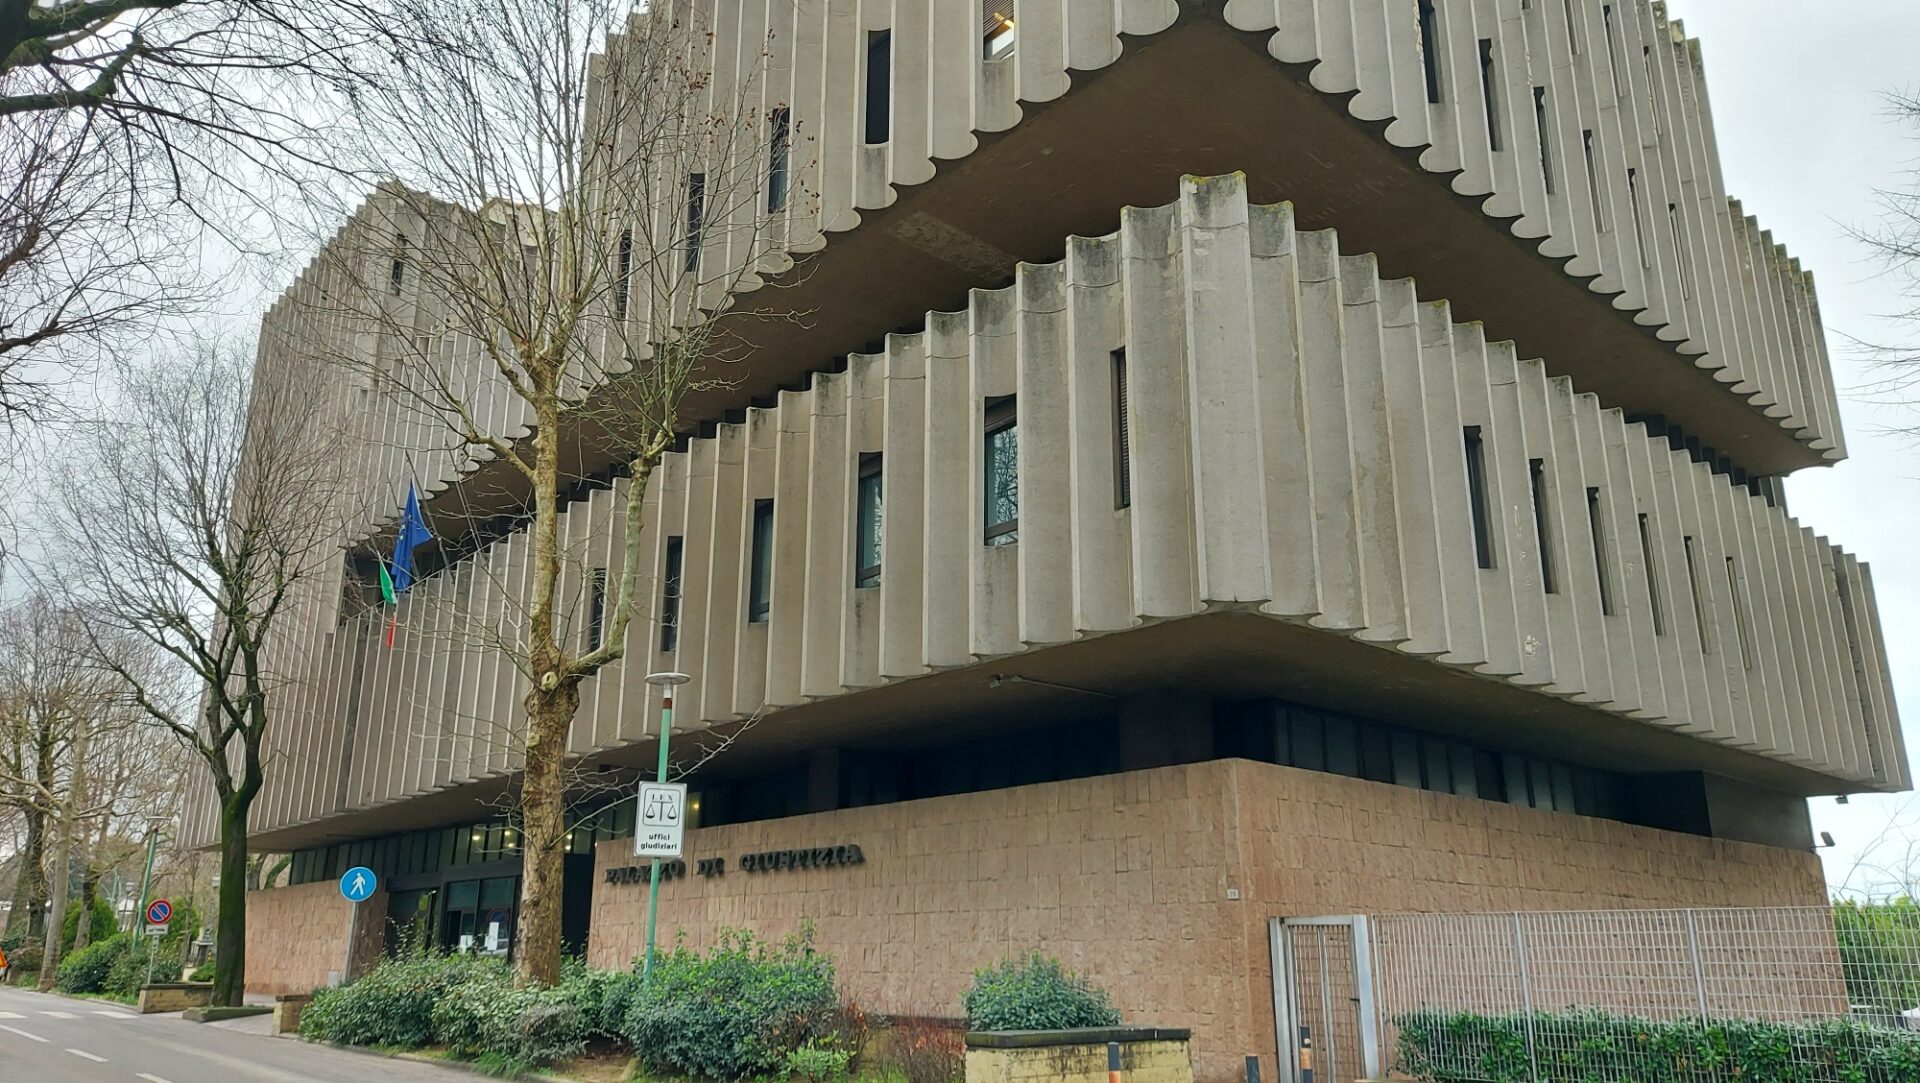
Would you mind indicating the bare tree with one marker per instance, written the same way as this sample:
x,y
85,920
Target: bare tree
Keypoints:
x,y
1895,241
174,537
577,199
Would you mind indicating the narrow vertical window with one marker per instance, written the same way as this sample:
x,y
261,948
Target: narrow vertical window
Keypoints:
x,y
869,521
1613,69
1639,227
1739,614
1430,50
879,86
1477,497
1488,96
1653,101
623,273
670,595
1546,141
779,157
1596,528
596,607
996,38
1593,179
397,270
696,217
1647,568
1573,30
1537,481
1699,599
1679,251
760,566
1002,472
1122,435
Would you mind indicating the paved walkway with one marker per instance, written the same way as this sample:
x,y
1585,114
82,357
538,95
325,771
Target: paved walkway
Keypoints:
x,y
52,1039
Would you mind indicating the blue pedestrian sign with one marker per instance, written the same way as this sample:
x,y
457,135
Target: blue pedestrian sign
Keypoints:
x,y
358,884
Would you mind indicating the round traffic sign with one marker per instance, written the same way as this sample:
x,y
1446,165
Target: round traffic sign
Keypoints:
x,y
357,883
159,912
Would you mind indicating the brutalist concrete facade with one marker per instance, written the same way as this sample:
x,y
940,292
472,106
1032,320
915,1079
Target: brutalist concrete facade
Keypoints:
x,y
1403,361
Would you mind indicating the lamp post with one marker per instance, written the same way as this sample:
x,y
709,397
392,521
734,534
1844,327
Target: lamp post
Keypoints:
x,y
666,682
146,878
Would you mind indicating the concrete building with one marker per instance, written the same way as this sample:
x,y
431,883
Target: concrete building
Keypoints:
x,y
1244,459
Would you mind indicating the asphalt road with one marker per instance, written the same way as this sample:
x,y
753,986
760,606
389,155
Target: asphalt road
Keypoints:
x,y
52,1039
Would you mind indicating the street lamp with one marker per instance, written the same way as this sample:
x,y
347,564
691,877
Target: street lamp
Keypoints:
x,y
666,683
154,824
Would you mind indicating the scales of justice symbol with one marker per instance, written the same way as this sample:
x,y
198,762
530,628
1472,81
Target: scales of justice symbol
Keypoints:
x,y
663,806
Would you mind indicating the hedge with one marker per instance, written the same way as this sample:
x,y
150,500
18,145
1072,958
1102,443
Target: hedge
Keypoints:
x,y
733,1013
1036,993
1590,1046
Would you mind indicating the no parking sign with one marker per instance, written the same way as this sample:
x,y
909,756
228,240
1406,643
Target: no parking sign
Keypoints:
x,y
159,912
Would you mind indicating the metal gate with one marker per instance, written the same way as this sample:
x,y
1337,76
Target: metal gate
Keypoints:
x,y
1323,982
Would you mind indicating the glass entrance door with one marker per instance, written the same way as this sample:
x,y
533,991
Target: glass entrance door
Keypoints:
x,y
480,916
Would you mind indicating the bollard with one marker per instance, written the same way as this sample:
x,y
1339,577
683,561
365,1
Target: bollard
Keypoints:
x,y
1306,1055
1253,1070
1113,1062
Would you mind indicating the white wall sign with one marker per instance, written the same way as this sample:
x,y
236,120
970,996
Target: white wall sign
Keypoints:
x,y
662,826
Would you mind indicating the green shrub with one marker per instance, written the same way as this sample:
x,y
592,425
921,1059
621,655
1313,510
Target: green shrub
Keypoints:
x,y
602,997
392,1004
1036,993
820,1060
524,1025
103,925
87,970
733,1013
1589,1046
202,973
143,961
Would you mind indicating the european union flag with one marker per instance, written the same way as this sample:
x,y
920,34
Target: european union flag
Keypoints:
x,y
413,535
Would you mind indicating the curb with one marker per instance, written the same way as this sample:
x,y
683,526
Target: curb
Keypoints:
x,y
421,1058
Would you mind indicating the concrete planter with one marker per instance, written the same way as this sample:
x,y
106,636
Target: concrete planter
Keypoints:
x,y
1147,1055
287,1009
174,996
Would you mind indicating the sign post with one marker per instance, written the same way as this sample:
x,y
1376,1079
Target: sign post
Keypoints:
x,y
669,801
357,885
159,913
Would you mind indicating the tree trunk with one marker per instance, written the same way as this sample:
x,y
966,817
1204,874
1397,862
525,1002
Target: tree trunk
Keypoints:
x,y
29,890
543,833
57,916
89,895
230,919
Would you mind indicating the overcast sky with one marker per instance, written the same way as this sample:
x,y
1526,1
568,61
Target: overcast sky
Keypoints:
x,y
1797,89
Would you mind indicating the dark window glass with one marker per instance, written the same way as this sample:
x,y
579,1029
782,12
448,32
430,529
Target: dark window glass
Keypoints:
x,y
879,85
1593,179
1430,50
1596,528
670,595
1307,736
1739,613
1546,139
696,217
779,157
1477,497
1647,568
1537,479
1002,472
596,607
996,39
1122,434
397,270
623,281
760,573
1679,251
1489,79
1699,599
1639,224
1343,747
1613,71
870,512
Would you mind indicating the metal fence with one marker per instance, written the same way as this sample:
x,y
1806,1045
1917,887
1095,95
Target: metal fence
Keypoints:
x,y
1806,994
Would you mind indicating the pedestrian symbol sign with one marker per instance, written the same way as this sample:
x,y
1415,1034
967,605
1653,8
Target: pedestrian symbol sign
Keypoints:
x,y
663,823
358,883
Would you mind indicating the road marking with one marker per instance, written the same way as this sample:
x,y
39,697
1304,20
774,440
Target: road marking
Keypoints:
x,y
152,1078
22,1033
11,1015
87,1055
113,1014
60,1015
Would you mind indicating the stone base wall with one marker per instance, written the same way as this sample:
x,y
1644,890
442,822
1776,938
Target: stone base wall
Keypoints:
x,y
1159,884
1148,1061
174,997
297,936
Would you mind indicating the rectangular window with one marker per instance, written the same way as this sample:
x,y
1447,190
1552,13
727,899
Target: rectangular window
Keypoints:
x,y
623,273
1654,601
670,595
1430,50
596,607
1573,31
696,217
1596,528
1488,95
1477,497
1546,142
997,37
1593,179
1639,226
1537,481
397,271
1002,472
1679,250
779,157
1699,600
1122,435
1613,69
869,521
879,86
1739,614
760,570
